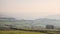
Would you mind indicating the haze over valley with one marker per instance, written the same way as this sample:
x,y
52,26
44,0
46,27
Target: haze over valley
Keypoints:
x,y
27,12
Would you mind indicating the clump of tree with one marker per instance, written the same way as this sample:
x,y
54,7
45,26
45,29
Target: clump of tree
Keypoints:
x,y
50,26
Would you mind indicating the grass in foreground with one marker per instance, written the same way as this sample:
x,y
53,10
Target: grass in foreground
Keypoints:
x,y
18,32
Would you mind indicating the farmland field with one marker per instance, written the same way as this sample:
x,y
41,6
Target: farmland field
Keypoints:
x,y
19,32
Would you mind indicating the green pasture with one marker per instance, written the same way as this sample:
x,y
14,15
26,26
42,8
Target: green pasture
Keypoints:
x,y
19,32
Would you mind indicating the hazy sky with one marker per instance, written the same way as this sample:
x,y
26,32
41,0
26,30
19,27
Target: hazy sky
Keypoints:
x,y
29,9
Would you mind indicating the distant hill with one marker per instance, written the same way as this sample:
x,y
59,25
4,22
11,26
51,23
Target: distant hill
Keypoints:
x,y
38,22
53,16
5,19
45,21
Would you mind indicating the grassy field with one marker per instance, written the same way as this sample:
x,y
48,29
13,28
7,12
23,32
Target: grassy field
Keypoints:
x,y
19,32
